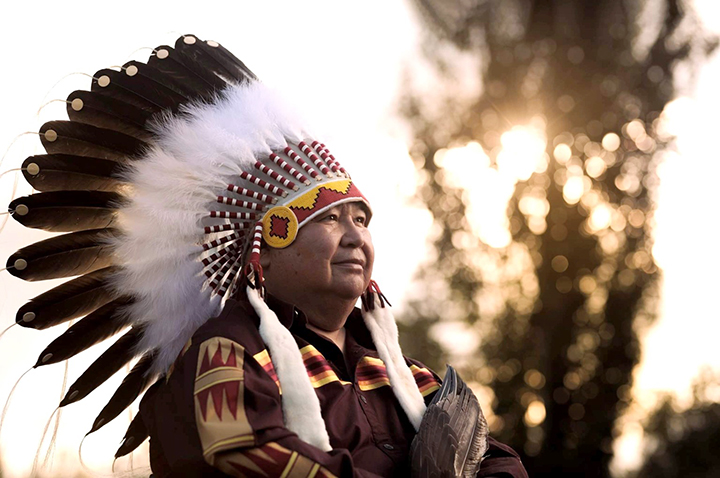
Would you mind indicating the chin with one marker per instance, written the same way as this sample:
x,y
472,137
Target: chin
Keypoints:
x,y
350,291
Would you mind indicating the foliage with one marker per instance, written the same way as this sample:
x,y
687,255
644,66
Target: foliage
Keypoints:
x,y
587,83
682,441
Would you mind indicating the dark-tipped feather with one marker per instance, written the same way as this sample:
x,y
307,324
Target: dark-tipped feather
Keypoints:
x,y
63,172
200,69
136,433
107,112
114,358
70,137
209,59
67,301
64,211
230,61
153,74
97,326
132,386
68,255
112,89
173,65
158,95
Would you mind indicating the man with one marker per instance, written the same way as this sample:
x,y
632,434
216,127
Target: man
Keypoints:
x,y
192,192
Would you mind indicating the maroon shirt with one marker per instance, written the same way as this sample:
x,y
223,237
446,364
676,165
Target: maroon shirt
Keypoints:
x,y
219,412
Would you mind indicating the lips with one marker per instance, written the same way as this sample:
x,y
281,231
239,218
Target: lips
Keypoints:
x,y
350,262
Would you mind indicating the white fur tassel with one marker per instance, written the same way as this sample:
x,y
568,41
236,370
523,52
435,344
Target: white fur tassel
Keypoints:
x,y
381,324
301,407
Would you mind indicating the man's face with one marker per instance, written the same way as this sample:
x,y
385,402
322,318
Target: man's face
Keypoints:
x,y
332,255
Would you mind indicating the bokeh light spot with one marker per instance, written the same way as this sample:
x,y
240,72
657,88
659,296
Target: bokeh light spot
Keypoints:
x,y
562,153
595,166
559,263
611,142
573,190
535,414
535,379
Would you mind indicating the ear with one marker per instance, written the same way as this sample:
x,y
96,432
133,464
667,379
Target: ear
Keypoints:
x,y
266,253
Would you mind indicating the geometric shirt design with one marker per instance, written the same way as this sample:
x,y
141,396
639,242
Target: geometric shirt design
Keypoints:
x,y
219,394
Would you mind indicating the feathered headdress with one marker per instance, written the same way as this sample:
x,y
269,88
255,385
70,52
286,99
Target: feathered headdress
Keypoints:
x,y
167,179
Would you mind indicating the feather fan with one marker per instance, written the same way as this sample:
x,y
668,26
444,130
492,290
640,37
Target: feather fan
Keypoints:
x,y
68,255
453,434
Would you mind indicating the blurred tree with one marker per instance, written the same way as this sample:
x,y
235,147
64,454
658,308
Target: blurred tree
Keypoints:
x,y
588,82
683,442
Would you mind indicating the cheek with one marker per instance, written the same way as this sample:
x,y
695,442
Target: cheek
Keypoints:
x,y
369,251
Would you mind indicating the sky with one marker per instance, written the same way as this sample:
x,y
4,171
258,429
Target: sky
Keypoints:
x,y
349,60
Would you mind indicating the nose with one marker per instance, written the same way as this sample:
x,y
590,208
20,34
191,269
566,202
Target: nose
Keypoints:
x,y
352,232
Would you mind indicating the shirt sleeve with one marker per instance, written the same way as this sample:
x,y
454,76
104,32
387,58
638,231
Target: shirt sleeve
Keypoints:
x,y
239,420
501,461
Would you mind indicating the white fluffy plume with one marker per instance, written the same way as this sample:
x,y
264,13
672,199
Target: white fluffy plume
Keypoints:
x,y
175,184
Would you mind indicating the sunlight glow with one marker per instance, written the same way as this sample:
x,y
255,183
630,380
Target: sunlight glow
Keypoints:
x,y
523,152
489,188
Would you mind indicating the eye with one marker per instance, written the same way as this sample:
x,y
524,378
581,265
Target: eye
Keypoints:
x,y
362,220
329,218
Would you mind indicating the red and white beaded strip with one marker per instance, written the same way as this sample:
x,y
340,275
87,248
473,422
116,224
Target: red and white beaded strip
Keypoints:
x,y
220,253
324,152
219,242
263,184
332,158
311,154
316,161
232,215
238,203
301,162
230,277
290,170
233,226
251,194
275,175
218,275
256,242
214,266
